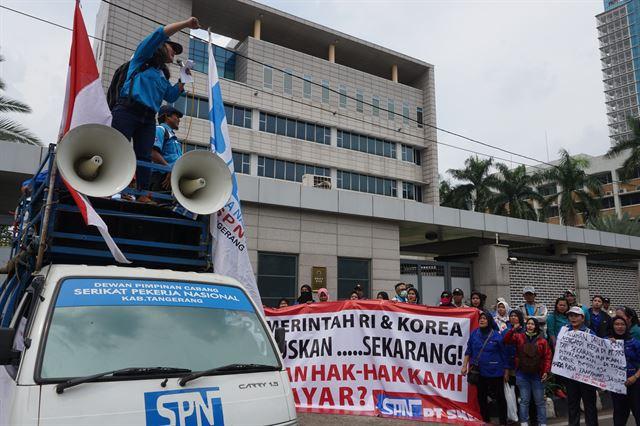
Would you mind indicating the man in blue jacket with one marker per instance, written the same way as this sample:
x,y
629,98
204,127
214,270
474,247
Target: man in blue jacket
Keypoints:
x,y
166,148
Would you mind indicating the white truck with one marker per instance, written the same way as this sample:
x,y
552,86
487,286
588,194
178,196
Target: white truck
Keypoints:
x,y
110,345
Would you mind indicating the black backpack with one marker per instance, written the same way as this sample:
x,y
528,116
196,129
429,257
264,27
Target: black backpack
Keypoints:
x,y
120,76
529,358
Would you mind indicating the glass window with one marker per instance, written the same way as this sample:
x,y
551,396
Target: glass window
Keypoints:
x,y
320,134
281,126
311,132
325,91
279,169
268,167
277,277
271,123
268,77
306,86
359,101
261,166
375,101
300,131
391,110
419,117
238,117
86,340
228,112
287,82
291,128
247,118
263,122
203,108
343,96
299,172
405,113
346,140
350,273
290,173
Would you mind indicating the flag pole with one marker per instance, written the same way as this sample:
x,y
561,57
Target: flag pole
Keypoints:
x,y
47,212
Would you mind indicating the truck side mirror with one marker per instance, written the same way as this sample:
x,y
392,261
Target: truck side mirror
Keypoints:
x,y
279,335
7,353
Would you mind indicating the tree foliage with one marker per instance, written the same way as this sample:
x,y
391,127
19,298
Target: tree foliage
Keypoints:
x,y
9,129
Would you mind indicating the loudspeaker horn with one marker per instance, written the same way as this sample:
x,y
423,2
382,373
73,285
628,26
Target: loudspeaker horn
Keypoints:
x,y
96,160
201,182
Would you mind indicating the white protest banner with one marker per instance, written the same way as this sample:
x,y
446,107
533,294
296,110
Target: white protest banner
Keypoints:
x,y
590,359
379,358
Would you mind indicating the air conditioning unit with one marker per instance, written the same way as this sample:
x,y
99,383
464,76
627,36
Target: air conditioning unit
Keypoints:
x,y
317,181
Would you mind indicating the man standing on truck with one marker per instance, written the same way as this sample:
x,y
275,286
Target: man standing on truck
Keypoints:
x,y
166,148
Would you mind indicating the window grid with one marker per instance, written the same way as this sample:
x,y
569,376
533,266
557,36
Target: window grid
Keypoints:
x,y
391,110
343,96
306,86
375,109
199,108
287,82
288,170
267,77
419,117
411,191
405,113
242,162
325,91
367,183
293,128
359,101
368,144
411,154
225,59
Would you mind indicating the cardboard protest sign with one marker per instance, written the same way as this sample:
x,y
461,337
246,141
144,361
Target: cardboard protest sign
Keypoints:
x,y
590,359
379,358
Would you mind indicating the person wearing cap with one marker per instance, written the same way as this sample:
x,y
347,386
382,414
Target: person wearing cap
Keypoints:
x,y
143,91
576,390
445,299
599,318
606,306
458,298
570,295
166,148
532,309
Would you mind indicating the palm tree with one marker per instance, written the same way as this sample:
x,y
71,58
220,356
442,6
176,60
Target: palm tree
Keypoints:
x,y
477,182
611,223
578,192
9,129
516,193
632,163
453,197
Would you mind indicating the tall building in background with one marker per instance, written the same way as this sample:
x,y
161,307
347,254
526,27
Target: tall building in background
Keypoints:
x,y
326,132
619,35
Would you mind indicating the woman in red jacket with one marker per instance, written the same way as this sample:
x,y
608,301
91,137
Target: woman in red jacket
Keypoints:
x,y
533,363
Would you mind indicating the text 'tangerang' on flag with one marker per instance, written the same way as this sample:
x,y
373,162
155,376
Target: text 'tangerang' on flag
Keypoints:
x,y
230,252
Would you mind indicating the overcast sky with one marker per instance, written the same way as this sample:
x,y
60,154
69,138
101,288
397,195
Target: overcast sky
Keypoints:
x,y
507,72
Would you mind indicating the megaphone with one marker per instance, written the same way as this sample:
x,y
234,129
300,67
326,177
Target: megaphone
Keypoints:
x,y
201,182
96,160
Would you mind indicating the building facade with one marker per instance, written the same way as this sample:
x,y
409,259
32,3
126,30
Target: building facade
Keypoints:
x,y
619,36
304,102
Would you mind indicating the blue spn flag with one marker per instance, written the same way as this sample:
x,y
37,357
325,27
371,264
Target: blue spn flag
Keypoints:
x,y
230,251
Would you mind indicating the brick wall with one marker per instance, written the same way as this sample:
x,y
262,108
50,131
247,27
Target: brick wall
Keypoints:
x,y
620,284
549,278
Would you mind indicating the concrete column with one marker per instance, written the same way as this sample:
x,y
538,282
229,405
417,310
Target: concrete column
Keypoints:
x,y
334,136
253,164
255,119
582,278
394,73
491,272
615,188
257,26
332,53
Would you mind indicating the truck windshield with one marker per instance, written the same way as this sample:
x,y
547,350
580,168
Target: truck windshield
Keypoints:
x,y
103,324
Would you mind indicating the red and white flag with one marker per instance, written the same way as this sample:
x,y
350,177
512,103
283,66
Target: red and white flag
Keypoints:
x,y
85,103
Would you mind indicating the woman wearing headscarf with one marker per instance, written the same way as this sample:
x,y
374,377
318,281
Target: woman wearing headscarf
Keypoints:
x,y
485,352
501,315
533,364
306,296
623,404
323,295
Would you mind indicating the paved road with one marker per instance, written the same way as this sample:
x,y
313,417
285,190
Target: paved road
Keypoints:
x,y
305,419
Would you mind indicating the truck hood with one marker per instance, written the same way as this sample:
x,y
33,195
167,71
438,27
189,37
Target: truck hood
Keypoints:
x,y
239,399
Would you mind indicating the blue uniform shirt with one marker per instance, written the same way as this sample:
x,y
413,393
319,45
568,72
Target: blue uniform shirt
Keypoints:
x,y
171,149
632,355
149,86
492,359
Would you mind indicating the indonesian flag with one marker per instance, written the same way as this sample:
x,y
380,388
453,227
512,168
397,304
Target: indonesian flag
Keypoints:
x,y
85,103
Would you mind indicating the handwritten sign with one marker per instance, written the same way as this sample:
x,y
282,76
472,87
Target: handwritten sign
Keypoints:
x,y
590,359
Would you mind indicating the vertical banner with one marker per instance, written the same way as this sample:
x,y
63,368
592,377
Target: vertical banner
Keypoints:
x,y
230,252
379,358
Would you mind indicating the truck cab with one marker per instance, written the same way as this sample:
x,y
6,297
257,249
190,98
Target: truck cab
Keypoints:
x,y
107,345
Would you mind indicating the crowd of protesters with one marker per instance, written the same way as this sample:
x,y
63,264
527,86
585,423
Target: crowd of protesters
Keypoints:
x,y
514,346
